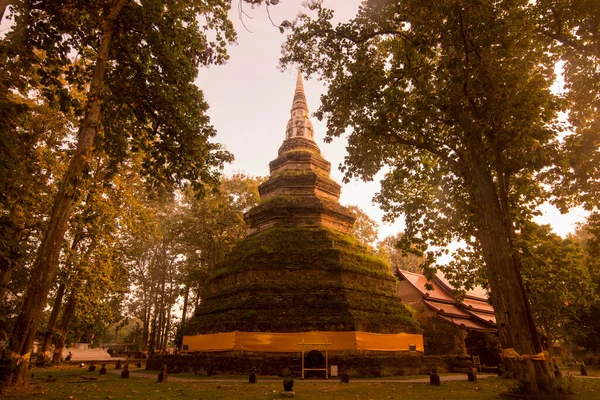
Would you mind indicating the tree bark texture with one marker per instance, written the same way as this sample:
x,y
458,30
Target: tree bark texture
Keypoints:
x,y
64,329
42,357
151,345
186,295
26,325
516,327
11,235
146,328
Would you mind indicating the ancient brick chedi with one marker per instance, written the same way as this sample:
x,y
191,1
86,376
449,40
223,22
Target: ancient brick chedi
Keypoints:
x,y
299,268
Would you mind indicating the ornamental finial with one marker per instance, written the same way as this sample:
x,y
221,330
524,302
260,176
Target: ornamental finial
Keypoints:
x,y
299,125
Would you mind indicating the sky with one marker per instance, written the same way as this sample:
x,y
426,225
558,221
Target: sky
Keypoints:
x,y
250,100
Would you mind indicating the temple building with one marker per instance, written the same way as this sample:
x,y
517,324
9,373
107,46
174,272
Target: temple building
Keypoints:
x,y
300,274
445,320
473,312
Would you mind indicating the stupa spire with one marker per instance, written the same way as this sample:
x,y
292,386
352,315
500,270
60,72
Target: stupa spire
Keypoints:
x,y
299,126
299,96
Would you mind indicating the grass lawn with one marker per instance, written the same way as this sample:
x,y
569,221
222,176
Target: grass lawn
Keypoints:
x,y
70,385
591,370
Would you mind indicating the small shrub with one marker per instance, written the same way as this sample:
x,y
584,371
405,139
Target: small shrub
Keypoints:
x,y
567,385
592,360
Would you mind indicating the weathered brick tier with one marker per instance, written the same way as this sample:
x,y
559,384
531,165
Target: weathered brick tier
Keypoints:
x,y
289,211
299,192
358,364
300,184
295,280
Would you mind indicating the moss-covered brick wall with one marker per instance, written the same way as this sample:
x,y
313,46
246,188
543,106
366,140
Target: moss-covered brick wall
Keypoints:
x,y
356,364
301,279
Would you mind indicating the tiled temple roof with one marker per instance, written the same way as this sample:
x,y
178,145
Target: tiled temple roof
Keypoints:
x,y
472,313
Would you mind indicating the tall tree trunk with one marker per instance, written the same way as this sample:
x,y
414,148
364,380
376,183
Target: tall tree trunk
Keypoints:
x,y
152,334
44,354
168,312
64,328
198,296
161,306
515,323
159,328
14,372
9,247
11,234
186,295
167,329
146,328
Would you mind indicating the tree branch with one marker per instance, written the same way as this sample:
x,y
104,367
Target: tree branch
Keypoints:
x,y
366,37
423,145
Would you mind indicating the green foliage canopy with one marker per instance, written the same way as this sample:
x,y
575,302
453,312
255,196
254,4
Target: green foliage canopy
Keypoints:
x,y
365,229
557,280
413,80
455,99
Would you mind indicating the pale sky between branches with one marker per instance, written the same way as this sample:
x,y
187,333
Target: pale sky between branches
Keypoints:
x,y
250,101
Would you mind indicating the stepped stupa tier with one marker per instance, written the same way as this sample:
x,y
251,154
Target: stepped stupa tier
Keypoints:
x,y
299,269
299,191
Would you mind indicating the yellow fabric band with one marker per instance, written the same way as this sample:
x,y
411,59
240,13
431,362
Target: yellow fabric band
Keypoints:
x,y
513,354
289,341
20,358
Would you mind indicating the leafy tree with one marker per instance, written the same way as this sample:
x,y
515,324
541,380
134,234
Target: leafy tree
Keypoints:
x,y
209,228
455,98
92,270
557,281
572,28
140,63
399,259
32,154
365,229
194,234
588,235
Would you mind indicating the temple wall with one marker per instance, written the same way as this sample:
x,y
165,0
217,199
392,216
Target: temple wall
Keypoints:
x,y
357,364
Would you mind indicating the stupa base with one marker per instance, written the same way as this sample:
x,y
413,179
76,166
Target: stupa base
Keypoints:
x,y
357,364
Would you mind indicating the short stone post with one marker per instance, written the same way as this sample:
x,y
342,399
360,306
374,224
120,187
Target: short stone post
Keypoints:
x,y
288,388
162,376
344,378
125,372
472,375
118,365
557,373
139,364
103,369
92,367
434,378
